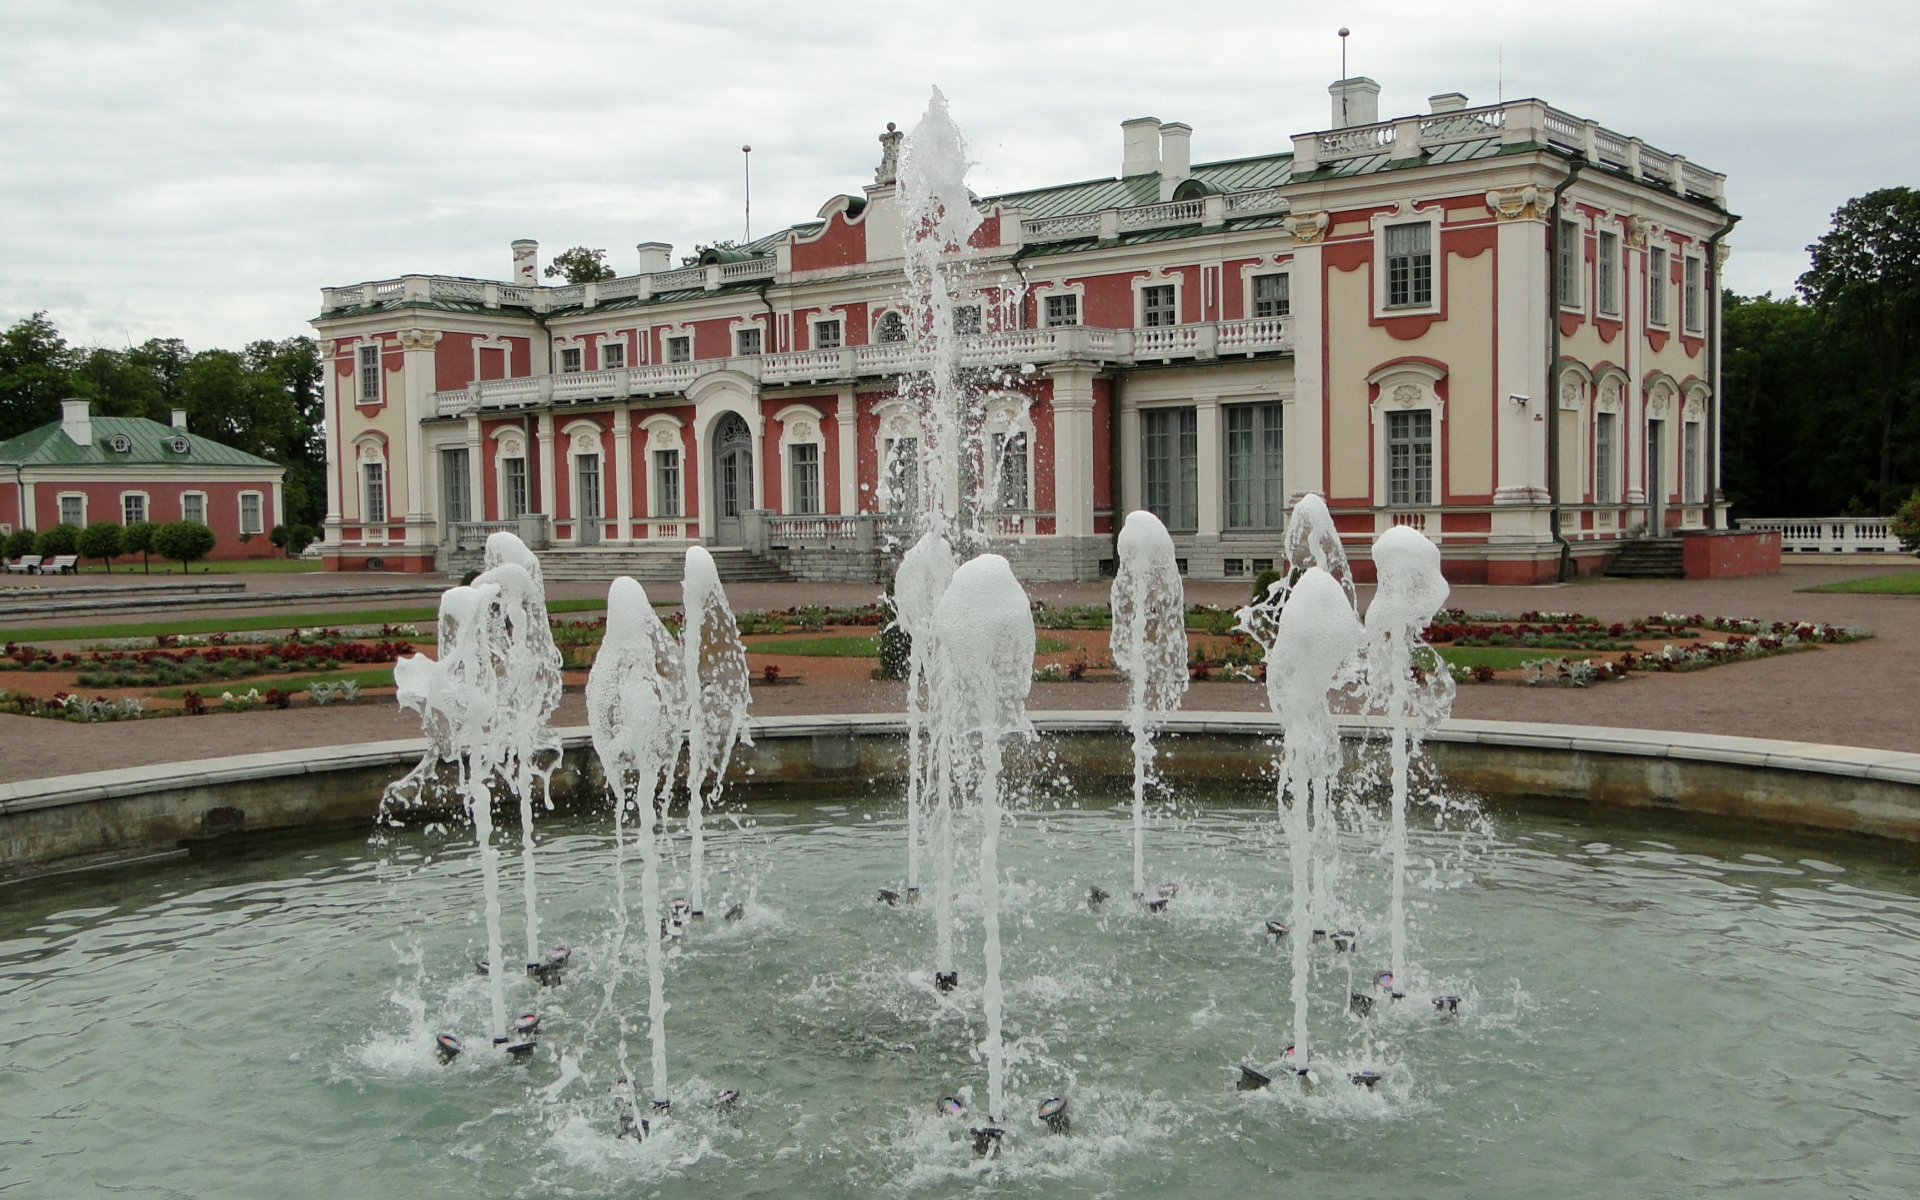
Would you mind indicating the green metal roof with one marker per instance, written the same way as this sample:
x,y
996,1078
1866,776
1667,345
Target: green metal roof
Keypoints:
x,y
1098,195
151,444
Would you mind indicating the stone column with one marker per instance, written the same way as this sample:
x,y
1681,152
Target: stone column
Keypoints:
x,y
476,468
331,405
623,473
1207,429
418,378
1073,450
846,412
544,432
1306,435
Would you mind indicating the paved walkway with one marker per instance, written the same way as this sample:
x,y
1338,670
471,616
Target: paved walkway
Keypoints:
x,y
1858,695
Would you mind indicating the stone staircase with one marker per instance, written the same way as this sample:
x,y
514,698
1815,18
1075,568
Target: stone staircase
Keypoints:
x,y
1649,558
653,566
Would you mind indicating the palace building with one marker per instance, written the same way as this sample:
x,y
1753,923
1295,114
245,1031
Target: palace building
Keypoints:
x,y
1497,324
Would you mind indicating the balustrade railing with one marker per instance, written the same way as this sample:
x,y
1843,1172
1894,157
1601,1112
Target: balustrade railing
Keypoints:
x,y
1251,337
472,535
747,268
1173,212
1827,535
680,280
1259,201
1057,229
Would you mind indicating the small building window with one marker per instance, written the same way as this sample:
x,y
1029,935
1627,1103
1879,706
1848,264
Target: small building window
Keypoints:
x,y
1256,482
73,510
1690,462
826,335
746,342
1657,285
513,480
892,328
679,349
1010,471
1063,309
1693,293
1609,272
666,483
1410,457
1170,466
569,360
1603,455
1157,306
193,507
374,510
133,508
122,444
1567,265
1272,297
250,513
370,374
966,318
455,485
804,464
613,356
1409,265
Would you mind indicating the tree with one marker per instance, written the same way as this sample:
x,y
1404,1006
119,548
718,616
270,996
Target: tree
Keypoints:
x,y
293,539
137,538
35,375
20,542
183,541
101,540
580,265
61,539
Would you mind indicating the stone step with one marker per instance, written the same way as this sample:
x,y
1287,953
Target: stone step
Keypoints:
x,y
654,566
1649,558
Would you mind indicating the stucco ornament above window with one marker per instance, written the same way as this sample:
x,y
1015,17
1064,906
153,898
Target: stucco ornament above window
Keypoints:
x,y
1308,227
1517,204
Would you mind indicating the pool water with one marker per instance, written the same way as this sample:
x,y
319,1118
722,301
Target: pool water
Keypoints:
x,y
1650,1008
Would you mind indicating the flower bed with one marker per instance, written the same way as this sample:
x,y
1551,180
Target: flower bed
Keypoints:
x,y
1748,639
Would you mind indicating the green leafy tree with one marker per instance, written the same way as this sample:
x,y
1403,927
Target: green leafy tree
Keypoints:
x,y
1906,523
183,541
580,265
61,539
19,542
36,373
101,540
137,538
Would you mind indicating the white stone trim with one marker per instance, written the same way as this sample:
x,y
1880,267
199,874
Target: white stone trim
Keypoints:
x,y
1409,212
1160,277
1405,386
240,511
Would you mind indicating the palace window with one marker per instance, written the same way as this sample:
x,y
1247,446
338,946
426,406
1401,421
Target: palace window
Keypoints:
x,y
1567,265
193,507
1692,300
826,335
1603,468
513,478
803,462
369,374
966,318
73,510
746,342
1657,285
900,489
613,356
1690,462
455,485
1256,485
1157,307
1609,272
666,483
133,508
893,328
1409,265
373,477
1410,457
1010,471
1063,309
1170,466
1272,297
679,349
569,360
250,513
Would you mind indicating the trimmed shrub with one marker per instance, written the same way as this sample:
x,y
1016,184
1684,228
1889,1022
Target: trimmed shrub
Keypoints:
x,y
101,540
61,539
183,541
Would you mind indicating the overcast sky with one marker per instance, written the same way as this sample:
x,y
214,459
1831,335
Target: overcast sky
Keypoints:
x,y
199,169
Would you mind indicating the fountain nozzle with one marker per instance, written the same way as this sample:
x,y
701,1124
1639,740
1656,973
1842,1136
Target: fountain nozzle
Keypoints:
x,y
913,895
1250,1080
1365,1079
946,981
1096,896
548,970
1053,1114
1276,930
986,1139
889,897
950,1106
449,1047
527,1024
1384,981
737,912
1360,1004
1446,1004
727,1099
521,1050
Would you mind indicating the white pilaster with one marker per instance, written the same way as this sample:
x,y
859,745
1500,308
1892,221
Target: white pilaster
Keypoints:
x,y
623,473
417,374
548,471
477,467
848,417
1207,429
1073,451
1306,438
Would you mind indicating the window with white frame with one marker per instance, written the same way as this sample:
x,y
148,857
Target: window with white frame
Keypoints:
x,y
1609,272
803,467
1010,492
1256,483
1567,265
1690,462
569,360
679,349
133,508
1657,285
369,374
613,355
1692,299
193,507
73,509
1157,306
966,318
746,342
373,477
250,516
666,483
1063,308
1604,471
456,487
513,488
892,328
1272,296
1409,265
1410,457
826,335
1170,466
900,486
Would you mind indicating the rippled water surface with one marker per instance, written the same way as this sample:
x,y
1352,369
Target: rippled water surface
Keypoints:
x,y
1651,1009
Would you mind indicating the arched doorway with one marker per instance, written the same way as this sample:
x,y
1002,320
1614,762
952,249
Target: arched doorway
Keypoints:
x,y
732,478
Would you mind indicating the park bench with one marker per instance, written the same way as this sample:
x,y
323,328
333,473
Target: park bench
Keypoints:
x,y
26,564
62,564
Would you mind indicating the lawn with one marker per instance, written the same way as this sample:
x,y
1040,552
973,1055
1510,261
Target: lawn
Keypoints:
x,y
1506,658
244,566
858,647
423,618
1906,583
377,677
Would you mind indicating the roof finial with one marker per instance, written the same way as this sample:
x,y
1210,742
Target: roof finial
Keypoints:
x,y
889,169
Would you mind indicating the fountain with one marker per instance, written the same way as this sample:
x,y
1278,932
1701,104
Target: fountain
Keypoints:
x,y
922,578
1149,644
717,696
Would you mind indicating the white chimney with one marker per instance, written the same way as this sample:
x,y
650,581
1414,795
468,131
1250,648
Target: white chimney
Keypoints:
x,y
180,419
654,256
1447,102
1356,101
1140,146
76,421
1176,150
526,262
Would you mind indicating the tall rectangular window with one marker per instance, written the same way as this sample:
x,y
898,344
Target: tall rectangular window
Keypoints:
x,y
369,374
826,335
513,480
250,513
1603,468
133,508
374,479
666,483
1567,265
803,461
1157,306
193,505
1690,461
1063,309
1170,466
679,349
1693,293
73,510
902,483
569,360
1657,285
613,356
586,475
1410,457
1256,484
1409,265
456,488
1010,471
1272,296
966,318
1609,272
746,342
